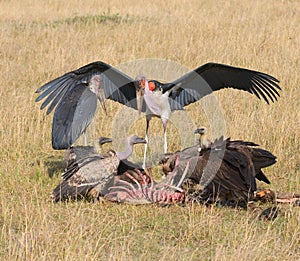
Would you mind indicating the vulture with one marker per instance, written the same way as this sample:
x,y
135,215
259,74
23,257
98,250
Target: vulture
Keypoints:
x,y
225,172
91,176
77,153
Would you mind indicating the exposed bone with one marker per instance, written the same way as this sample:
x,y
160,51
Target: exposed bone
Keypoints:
x,y
133,179
184,174
146,193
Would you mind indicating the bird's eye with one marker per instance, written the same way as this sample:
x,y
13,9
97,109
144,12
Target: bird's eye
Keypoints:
x,y
85,83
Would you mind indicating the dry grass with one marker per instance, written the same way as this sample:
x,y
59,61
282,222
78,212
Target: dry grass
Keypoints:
x,y
42,39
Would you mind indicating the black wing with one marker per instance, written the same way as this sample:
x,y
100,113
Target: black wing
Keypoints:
x,y
72,116
76,105
117,86
211,77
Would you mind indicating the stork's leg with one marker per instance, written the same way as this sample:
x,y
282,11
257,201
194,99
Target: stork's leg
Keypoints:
x,y
146,138
164,122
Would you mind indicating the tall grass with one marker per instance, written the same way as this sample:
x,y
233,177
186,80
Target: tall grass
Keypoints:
x,y
41,40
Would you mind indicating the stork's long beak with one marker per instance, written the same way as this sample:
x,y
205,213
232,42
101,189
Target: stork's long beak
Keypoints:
x,y
101,98
139,99
140,82
102,102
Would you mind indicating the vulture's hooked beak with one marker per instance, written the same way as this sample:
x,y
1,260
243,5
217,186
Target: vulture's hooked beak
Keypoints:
x,y
103,140
140,140
200,131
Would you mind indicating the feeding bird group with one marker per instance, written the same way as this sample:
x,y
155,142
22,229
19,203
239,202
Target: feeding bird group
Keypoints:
x,y
74,95
222,171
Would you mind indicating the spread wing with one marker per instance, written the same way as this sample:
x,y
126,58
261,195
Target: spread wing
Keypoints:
x,y
76,105
117,85
212,77
72,116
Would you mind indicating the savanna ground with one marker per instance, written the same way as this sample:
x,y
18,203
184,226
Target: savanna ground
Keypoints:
x,y
41,40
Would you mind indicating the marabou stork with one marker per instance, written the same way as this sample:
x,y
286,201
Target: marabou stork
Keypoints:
x,y
75,94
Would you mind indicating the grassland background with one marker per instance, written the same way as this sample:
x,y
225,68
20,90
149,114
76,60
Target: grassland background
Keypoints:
x,y
41,40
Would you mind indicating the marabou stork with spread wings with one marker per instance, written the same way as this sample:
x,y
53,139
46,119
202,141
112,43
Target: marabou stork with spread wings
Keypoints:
x,y
75,94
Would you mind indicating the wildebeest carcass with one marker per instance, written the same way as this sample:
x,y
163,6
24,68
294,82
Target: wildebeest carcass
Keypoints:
x,y
138,187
